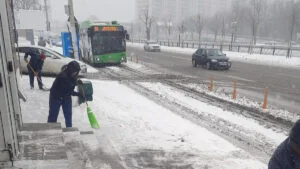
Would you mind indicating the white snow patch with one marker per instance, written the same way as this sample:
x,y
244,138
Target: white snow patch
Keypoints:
x,y
225,95
201,107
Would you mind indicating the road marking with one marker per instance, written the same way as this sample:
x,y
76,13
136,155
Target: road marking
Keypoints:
x,y
239,78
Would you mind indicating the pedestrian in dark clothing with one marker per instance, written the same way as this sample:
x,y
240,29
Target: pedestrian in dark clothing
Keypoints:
x,y
42,42
61,92
287,154
35,66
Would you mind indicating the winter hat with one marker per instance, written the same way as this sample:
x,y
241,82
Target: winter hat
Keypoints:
x,y
43,56
72,67
295,133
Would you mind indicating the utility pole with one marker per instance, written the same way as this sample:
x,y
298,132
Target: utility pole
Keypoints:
x,y
47,16
73,30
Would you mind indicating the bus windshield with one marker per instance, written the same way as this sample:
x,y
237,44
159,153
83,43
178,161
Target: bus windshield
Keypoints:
x,y
108,42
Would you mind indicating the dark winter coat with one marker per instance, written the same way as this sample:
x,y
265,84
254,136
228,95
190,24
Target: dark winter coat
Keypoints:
x,y
284,157
36,62
63,86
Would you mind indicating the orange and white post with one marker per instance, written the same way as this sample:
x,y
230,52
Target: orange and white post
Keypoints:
x,y
234,91
266,98
211,87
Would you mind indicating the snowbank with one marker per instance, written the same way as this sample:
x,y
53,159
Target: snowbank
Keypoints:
x,y
204,108
225,95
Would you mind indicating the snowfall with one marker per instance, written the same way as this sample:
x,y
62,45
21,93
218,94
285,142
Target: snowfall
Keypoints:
x,y
132,122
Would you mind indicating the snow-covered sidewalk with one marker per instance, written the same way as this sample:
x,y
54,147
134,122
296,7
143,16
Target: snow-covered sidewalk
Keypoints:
x,y
269,60
138,128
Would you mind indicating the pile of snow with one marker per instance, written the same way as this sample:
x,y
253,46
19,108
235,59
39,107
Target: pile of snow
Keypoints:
x,y
140,67
236,56
251,126
135,124
227,95
264,59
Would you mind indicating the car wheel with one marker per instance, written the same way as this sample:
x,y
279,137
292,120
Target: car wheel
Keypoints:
x,y
194,63
208,65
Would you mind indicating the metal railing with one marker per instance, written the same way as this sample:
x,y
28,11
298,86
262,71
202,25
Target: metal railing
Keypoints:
x,y
246,48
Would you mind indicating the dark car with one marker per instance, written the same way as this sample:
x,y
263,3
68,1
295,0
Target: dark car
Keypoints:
x,y
211,59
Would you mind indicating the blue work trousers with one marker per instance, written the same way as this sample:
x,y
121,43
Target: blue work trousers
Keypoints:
x,y
54,107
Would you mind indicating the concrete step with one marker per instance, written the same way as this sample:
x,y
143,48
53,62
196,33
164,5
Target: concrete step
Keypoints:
x,y
42,146
47,146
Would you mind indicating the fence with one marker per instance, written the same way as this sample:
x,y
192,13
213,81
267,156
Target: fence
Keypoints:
x,y
246,48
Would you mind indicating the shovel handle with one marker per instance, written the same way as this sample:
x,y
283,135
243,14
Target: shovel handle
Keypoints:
x,y
34,72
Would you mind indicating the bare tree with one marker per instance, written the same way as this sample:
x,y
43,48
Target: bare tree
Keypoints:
x,y
199,24
28,4
256,9
292,22
223,32
169,26
148,20
181,30
237,17
214,25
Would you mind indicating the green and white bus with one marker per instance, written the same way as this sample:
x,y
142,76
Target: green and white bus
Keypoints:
x,y
103,43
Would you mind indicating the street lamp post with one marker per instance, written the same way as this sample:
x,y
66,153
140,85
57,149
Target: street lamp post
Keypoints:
x,y
47,16
73,30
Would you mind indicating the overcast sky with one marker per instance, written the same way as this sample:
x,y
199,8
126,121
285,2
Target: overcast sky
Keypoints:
x,y
120,10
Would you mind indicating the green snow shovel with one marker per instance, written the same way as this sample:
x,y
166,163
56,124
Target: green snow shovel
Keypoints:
x,y
92,118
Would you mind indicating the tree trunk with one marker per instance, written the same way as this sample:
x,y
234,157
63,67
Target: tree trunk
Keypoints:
x,y
148,33
200,32
216,34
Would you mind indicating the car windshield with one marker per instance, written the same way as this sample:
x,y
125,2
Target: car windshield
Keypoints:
x,y
214,52
56,53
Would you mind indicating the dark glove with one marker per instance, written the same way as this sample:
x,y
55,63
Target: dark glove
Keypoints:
x,y
79,82
77,94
